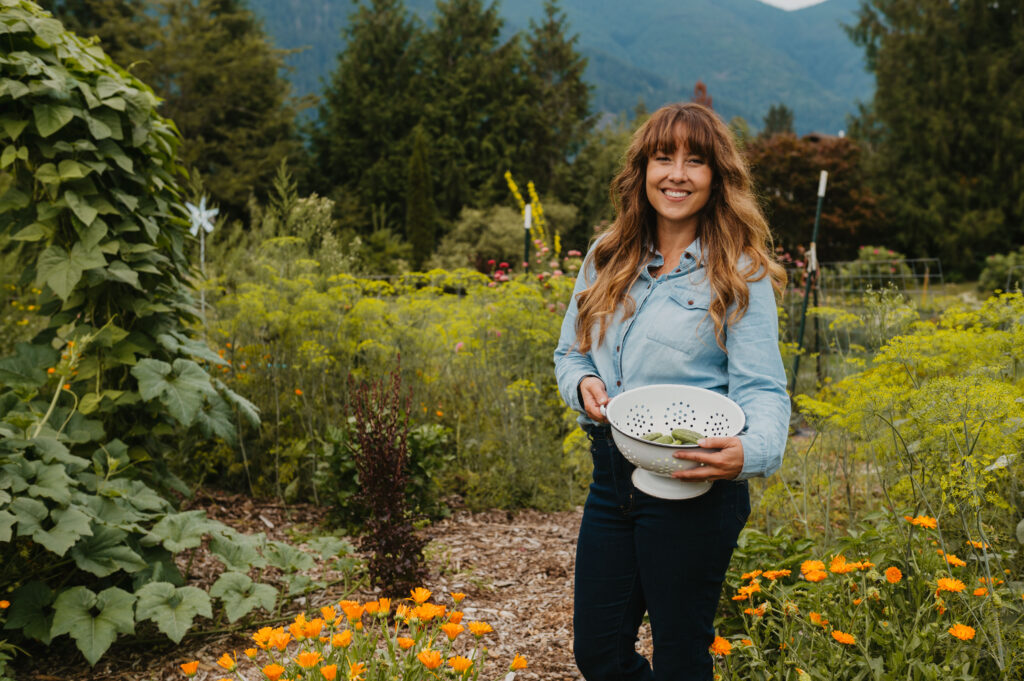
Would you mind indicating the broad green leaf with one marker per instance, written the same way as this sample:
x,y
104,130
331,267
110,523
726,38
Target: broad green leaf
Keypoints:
x,y
172,608
37,231
107,87
13,88
47,174
73,615
51,481
62,271
331,547
13,125
30,514
151,373
51,117
179,343
80,207
241,595
27,367
97,128
111,150
9,154
30,611
216,419
106,552
247,409
7,521
72,170
52,450
13,198
71,525
299,583
237,551
119,271
287,557
180,531
182,390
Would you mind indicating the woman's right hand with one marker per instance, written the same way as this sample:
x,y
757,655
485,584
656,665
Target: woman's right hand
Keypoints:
x,y
594,396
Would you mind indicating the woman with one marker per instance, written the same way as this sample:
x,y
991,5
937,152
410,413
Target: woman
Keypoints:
x,y
678,290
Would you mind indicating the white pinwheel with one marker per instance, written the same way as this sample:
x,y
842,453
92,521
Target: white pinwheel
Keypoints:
x,y
201,216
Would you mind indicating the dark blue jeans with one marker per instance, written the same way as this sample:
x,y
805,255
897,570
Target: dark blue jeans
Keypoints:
x,y
637,554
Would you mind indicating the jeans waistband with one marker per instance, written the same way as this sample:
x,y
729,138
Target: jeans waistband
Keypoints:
x,y
597,430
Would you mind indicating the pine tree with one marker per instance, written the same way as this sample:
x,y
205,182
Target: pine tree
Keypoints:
x,y
220,78
946,126
370,107
779,119
561,98
419,204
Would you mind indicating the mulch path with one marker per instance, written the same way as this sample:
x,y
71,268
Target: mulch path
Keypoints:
x,y
515,568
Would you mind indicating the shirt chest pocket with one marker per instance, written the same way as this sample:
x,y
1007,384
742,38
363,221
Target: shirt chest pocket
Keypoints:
x,y
681,321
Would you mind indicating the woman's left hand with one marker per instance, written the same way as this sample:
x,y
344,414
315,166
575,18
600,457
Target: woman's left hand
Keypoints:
x,y
724,464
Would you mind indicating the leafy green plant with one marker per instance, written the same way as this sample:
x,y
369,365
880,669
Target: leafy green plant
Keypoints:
x,y
1003,271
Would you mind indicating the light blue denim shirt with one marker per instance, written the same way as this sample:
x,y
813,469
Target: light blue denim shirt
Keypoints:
x,y
671,339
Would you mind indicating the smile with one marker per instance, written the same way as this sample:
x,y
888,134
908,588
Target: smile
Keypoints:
x,y
675,194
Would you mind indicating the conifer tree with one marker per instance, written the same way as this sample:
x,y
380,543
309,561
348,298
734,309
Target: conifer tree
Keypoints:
x,y
370,107
419,206
561,98
779,119
947,123
124,27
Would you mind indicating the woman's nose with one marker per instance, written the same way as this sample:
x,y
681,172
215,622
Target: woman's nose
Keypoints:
x,y
678,171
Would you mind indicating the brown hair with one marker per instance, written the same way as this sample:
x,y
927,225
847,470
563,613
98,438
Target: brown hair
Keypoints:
x,y
730,224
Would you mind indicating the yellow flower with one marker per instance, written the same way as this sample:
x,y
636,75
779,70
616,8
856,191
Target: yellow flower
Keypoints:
x,y
947,584
720,646
893,575
273,671
458,596
431,659
518,662
846,639
460,664
478,629
228,662
452,630
419,594
812,566
250,653
962,631
342,640
307,659
190,668
329,672
405,642
355,671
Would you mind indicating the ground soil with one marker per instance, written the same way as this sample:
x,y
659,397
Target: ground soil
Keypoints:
x,y
516,569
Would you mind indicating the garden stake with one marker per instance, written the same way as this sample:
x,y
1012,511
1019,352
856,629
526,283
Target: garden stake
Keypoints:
x,y
200,217
527,222
812,276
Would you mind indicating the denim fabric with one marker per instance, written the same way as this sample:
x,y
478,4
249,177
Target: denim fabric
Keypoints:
x,y
633,546
671,339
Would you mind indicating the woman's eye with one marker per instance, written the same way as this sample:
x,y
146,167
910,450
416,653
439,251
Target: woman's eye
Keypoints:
x,y
695,160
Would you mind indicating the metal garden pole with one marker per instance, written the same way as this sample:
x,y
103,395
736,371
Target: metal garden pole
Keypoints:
x,y
527,223
812,273
201,218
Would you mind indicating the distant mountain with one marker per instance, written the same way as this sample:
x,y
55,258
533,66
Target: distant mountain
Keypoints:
x,y
749,54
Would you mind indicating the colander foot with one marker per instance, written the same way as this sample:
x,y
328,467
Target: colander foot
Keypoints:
x,y
667,488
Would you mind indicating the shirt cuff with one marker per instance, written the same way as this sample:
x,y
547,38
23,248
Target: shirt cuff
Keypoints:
x,y
755,463
579,393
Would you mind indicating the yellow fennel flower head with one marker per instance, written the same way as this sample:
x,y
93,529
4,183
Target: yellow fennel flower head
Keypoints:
x,y
962,631
720,646
431,659
478,629
419,594
518,662
460,664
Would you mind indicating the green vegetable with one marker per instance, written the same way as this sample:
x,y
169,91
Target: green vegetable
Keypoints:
x,y
686,437
652,436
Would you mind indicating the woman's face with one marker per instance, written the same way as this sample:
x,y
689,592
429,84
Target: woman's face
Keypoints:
x,y
678,187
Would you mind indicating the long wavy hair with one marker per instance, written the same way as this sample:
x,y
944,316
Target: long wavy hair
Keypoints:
x,y
729,225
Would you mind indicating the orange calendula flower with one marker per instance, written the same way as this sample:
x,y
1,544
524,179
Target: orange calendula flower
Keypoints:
x,y
402,611
518,662
405,642
962,631
756,612
353,611
190,668
312,628
279,639
815,575
978,545
751,575
844,638
431,659
947,584
746,642
954,561
250,653
329,613
839,565
273,671
419,594
51,370
342,640
811,566
923,521
720,646
298,392
893,575
478,629
457,596
329,672
817,619
384,606
744,592
371,607
460,664
452,630
228,662
455,616
262,637
4,605
307,659
980,591
355,671
857,601
775,574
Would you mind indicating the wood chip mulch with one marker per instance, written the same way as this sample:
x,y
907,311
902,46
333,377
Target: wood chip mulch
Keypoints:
x,y
516,570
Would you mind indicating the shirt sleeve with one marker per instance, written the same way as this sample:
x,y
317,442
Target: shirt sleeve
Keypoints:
x,y
757,382
572,366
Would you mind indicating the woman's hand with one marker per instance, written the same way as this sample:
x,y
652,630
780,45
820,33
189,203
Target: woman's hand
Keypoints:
x,y
594,396
725,464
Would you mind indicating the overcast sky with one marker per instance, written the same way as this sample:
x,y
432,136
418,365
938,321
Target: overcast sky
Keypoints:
x,y
792,4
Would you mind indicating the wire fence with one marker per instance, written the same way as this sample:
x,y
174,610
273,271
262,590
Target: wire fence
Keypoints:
x,y
854,277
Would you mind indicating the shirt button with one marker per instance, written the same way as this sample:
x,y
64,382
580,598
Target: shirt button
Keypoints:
x,y
617,348
618,383
689,302
678,270
687,255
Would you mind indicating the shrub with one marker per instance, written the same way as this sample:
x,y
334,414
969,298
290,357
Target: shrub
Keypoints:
x,y
1002,272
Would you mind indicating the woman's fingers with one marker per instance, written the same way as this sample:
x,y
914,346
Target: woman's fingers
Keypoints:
x,y
725,462
594,395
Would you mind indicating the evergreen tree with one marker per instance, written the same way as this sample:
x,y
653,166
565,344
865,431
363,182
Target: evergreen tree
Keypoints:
x,y
370,107
779,119
947,123
478,114
419,204
561,99
220,78
124,27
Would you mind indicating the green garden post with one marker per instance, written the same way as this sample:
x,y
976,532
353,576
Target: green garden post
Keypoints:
x,y
527,223
812,273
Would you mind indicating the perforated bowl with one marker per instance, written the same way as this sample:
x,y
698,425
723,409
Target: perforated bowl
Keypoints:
x,y
637,412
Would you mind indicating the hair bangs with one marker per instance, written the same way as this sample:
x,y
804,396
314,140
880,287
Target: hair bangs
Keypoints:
x,y
670,128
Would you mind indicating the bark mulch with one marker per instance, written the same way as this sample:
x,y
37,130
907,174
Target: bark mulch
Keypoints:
x,y
516,570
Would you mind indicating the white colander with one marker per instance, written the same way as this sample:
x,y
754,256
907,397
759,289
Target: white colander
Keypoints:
x,y
637,412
